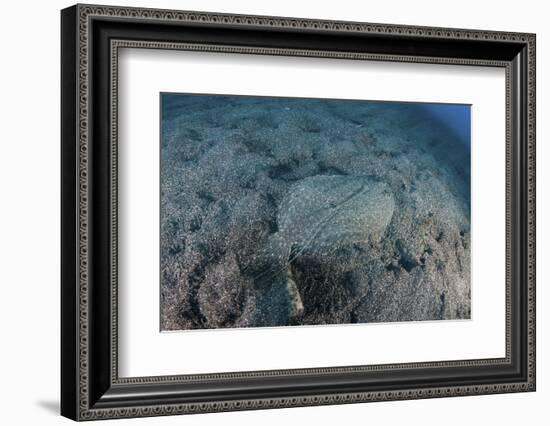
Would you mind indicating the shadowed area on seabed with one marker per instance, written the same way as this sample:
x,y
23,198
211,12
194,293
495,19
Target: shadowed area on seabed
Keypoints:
x,y
279,211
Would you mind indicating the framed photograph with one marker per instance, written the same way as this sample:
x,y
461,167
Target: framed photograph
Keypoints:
x,y
263,212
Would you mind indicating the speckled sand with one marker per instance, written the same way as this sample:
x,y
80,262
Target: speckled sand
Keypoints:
x,y
289,212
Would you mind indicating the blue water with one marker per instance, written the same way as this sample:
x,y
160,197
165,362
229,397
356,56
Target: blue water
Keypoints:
x,y
457,119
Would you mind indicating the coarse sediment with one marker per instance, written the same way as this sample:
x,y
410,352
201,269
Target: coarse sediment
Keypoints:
x,y
291,212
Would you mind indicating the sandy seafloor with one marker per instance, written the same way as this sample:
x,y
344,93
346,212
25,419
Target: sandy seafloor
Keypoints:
x,y
280,211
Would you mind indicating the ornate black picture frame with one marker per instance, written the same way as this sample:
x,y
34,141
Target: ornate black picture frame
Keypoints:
x,y
90,385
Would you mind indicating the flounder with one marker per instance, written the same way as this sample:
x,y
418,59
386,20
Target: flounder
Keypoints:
x,y
318,215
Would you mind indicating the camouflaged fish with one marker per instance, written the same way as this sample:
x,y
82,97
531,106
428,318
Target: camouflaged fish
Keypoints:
x,y
318,215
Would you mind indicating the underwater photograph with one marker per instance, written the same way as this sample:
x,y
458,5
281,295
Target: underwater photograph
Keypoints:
x,y
292,211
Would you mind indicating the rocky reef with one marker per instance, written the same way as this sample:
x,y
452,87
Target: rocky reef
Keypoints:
x,y
291,212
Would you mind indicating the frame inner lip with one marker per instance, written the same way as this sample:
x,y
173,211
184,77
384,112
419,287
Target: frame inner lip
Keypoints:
x,y
115,45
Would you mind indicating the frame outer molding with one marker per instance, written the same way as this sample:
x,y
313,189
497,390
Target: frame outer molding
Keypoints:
x,y
76,402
